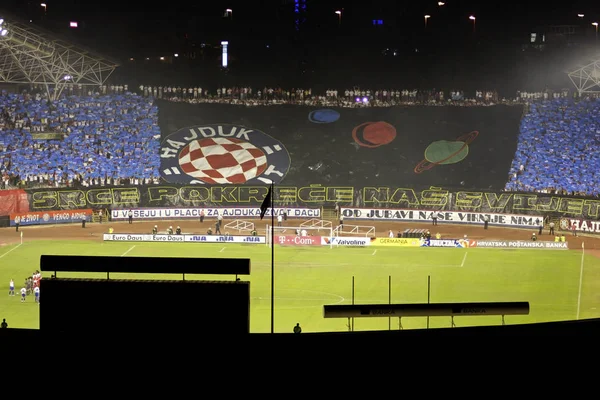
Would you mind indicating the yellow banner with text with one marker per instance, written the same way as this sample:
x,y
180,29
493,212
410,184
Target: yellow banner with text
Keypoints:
x,y
396,242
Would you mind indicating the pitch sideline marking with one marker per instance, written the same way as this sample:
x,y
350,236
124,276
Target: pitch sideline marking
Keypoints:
x,y
580,281
222,250
14,248
374,253
341,299
462,264
131,248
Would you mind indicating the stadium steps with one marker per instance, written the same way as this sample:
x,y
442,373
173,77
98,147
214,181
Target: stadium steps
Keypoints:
x,y
328,214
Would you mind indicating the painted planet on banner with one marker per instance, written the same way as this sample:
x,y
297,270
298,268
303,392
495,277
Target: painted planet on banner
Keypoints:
x,y
324,116
374,134
445,152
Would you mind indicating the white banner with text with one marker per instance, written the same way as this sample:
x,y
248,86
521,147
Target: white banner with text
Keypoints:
x,y
195,213
518,244
453,217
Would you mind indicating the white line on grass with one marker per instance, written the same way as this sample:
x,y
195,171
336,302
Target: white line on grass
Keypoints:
x,y
462,264
340,299
580,281
14,248
222,250
374,253
131,248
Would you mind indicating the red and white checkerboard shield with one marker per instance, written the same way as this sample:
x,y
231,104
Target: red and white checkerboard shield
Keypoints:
x,y
223,154
222,160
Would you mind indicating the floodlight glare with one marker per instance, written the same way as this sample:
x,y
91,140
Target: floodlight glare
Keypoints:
x,y
1,21
224,60
3,32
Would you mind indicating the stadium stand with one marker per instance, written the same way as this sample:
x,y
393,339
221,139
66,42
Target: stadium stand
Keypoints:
x,y
88,140
558,148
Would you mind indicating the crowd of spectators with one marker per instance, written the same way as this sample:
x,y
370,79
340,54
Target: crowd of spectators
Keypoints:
x,y
77,140
112,137
559,148
354,97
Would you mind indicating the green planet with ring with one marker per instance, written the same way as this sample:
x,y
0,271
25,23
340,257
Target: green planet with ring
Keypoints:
x,y
444,152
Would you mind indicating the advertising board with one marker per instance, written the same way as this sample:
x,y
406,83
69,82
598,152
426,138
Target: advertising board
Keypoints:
x,y
225,212
453,217
518,244
457,243
346,241
136,237
396,242
50,217
290,240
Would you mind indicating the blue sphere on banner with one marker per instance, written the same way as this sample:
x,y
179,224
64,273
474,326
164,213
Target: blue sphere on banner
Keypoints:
x,y
323,116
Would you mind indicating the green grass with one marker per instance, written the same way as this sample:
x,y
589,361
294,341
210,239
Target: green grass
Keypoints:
x,y
308,278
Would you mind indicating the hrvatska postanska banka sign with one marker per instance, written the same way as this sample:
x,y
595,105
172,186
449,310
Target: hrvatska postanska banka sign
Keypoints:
x,y
223,154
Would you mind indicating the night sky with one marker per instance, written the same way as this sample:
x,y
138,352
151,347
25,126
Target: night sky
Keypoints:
x,y
263,33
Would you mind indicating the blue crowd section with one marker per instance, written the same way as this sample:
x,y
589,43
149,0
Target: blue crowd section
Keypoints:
x,y
558,148
113,136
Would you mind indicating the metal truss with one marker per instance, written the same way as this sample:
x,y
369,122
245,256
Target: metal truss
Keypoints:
x,y
28,55
587,78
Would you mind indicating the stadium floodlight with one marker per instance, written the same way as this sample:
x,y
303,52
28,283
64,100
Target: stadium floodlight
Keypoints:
x,y
73,24
580,15
441,3
1,21
3,32
224,61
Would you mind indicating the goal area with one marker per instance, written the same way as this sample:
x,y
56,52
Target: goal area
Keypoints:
x,y
240,225
354,230
310,231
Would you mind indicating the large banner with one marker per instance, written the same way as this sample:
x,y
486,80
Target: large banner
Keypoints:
x,y
136,237
50,217
453,217
194,213
581,225
311,196
221,144
518,244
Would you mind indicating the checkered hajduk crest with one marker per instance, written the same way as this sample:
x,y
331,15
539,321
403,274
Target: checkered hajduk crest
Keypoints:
x,y
223,155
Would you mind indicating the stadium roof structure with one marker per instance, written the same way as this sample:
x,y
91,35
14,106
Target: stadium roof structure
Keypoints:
x,y
29,54
587,78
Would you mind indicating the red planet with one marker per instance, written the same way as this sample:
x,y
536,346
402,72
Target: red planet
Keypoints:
x,y
374,134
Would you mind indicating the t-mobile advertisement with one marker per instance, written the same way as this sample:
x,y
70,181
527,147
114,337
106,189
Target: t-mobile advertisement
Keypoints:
x,y
298,240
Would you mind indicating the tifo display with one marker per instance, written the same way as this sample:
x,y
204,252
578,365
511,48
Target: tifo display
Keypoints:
x,y
300,197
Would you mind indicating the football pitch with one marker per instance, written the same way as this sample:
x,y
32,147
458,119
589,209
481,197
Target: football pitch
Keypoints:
x,y
558,284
